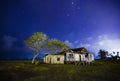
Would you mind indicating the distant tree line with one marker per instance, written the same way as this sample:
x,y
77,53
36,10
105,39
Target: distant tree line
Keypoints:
x,y
103,54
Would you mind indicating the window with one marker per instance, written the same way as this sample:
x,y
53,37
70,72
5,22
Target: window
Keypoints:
x,y
58,59
70,56
117,53
86,55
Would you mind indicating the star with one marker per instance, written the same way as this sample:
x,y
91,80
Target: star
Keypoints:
x,y
72,3
68,14
78,8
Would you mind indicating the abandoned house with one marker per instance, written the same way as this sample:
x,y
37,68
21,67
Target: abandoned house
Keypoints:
x,y
78,55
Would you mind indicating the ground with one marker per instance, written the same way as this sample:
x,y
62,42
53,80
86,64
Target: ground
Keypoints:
x,y
25,71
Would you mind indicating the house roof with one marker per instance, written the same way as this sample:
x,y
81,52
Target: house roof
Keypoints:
x,y
80,50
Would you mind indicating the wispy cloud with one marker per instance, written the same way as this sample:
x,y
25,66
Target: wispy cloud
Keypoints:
x,y
85,45
11,43
12,48
77,44
109,43
8,42
69,43
106,42
89,38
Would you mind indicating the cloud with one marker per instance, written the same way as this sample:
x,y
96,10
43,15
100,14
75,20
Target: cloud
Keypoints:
x,y
11,46
69,43
109,43
106,42
89,38
76,42
85,45
8,42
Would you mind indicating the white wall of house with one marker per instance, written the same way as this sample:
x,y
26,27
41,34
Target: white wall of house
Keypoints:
x,y
47,59
54,59
82,57
77,57
57,59
69,56
90,57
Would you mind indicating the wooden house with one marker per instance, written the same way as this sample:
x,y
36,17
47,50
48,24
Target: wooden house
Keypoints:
x,y
76,56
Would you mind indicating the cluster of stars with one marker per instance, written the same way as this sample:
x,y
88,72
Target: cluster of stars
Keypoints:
x,y
73,8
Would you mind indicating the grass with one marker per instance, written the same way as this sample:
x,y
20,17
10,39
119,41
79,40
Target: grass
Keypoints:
x,y
25,71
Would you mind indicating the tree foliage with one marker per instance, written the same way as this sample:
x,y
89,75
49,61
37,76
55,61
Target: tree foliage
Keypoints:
x,y
102,53
56,46
36,42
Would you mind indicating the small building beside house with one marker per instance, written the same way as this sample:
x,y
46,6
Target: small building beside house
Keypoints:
x,y
78,55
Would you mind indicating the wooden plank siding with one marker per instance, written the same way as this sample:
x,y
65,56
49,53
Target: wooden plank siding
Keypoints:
x,y
54,59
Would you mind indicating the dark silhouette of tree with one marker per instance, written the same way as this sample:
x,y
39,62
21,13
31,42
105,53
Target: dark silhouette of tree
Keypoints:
x,y
102,53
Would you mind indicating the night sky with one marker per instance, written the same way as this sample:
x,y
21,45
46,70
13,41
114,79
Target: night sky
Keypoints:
x,y
94,24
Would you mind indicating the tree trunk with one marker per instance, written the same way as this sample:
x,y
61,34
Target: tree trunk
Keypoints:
x,y
33,60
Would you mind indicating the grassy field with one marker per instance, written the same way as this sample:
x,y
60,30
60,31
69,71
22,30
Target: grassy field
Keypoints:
x,y
25,71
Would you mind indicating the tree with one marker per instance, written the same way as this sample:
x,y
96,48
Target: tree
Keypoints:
x,y
56,46
102,53
36,42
